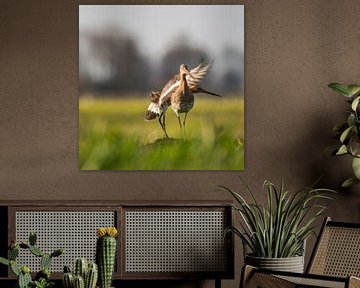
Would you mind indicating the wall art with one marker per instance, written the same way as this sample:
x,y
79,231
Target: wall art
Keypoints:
x,y
161,87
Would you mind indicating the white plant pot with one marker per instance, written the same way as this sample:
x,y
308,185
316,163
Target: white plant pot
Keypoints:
x,y
291,264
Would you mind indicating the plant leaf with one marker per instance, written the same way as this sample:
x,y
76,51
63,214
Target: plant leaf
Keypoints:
x,y
356,167
353,89
4,261
342,150
340,88
351,120
355,103
349,182
14,268
354,145
345,134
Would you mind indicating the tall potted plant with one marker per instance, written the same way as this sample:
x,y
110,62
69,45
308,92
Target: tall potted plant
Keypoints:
x,y
348,132
276,233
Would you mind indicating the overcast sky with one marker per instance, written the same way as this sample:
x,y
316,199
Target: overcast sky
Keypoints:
x,y
157,27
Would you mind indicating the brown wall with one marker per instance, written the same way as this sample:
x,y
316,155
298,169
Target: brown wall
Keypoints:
x,y
293,50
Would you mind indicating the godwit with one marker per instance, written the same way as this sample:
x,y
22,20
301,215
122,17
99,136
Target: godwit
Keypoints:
x,y
160,101
182,100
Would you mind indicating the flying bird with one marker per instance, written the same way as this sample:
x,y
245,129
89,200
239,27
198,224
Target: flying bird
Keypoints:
x,y
161,101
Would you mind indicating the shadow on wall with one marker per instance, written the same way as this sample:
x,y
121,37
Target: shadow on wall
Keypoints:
x,y
330,171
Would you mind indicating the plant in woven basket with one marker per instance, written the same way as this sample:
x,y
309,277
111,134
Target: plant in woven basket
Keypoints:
x,y
280,228
42,278
348,133
106,254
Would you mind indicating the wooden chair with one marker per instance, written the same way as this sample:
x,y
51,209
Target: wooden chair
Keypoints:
x,y
335,262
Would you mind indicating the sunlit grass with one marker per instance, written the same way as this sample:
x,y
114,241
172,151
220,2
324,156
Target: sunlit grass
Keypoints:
x,y
114,136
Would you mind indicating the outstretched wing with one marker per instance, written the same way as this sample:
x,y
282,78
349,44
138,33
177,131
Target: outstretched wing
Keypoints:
x,y
197,74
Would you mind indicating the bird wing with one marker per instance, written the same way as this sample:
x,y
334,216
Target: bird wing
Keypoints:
x,y
168,89
197,74
153,110
174,80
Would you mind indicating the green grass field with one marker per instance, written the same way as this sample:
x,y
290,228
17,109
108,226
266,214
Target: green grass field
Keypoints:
x,y
114,136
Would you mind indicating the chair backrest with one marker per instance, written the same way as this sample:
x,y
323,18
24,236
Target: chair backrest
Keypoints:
x,y
337,251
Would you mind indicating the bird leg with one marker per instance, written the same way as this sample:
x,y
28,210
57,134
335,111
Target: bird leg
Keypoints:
x,y
162,123
166,135
181,127
184,124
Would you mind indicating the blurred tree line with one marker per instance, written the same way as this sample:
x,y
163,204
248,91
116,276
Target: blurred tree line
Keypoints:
x,y
110,62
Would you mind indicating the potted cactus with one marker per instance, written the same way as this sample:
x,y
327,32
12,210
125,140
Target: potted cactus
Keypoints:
x,y
106,254
84,275
42,278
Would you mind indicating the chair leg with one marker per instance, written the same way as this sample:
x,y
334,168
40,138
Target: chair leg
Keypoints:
x,y
217,283
246,273
354,282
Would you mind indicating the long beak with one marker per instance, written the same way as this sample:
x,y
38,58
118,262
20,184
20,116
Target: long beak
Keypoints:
x,y
199,89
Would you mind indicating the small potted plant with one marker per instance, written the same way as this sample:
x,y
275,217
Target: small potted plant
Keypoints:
x,y
106,254
348,132
84,274
42,278
276,233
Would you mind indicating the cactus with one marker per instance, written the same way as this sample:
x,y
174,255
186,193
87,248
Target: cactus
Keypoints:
x,y
24,245
14,268
4,261
67,269
89,272
79,282
36,251
57,253
105,254
91,276
25,269
24,277
13,253
42,278
24,280
45,261
32,238
44,273
68,280
80,268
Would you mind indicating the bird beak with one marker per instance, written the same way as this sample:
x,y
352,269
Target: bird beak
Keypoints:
x,y
183,68
188,73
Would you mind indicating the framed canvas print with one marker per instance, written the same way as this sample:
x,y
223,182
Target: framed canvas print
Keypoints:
x,y
161,87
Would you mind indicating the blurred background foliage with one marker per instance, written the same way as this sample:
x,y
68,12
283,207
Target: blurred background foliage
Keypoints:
x,y
117,60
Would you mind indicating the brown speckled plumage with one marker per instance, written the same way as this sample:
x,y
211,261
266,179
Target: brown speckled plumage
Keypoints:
x,y
160,101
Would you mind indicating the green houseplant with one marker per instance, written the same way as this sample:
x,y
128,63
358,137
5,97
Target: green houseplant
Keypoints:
x,y
42,278
84,274
106,254
348,133
279,229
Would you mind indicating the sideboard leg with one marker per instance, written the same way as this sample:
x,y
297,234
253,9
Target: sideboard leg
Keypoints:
x,y
217,283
